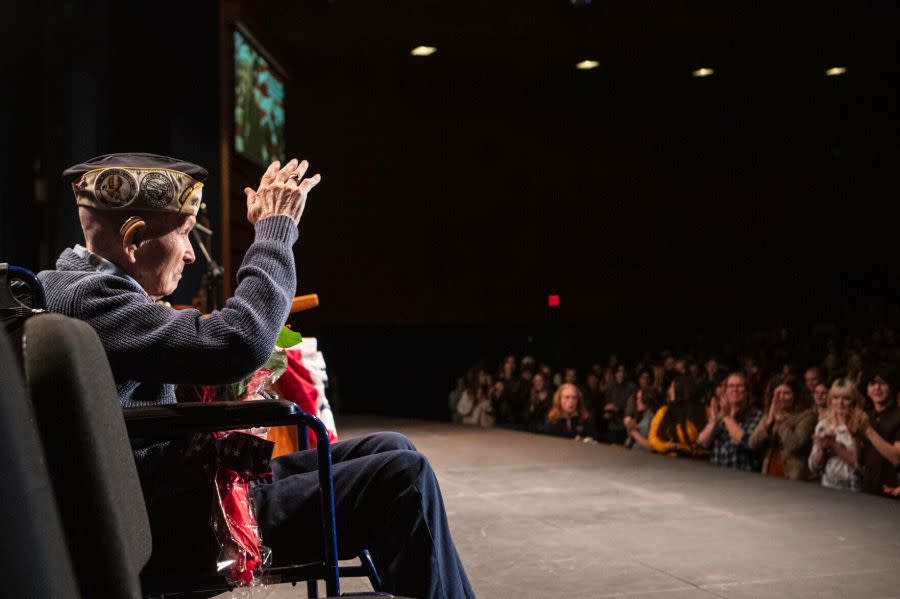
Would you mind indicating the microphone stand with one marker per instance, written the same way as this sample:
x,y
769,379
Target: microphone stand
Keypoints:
x,y
214,272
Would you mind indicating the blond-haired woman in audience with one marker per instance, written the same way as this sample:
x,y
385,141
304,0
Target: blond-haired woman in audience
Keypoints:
x,y
786,431
568,417
838,438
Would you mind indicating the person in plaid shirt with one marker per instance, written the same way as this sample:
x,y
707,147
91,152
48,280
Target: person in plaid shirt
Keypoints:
x,y
729,427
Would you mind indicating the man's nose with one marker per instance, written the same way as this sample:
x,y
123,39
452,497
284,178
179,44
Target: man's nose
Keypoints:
x,y
189,256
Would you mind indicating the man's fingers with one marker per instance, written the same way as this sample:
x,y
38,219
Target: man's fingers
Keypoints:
x,y
297,176
271,171
308,184
269,175
300,171
287,171
251,195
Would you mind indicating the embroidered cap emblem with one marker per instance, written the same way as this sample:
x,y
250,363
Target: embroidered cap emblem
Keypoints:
x,y
115,187
157,189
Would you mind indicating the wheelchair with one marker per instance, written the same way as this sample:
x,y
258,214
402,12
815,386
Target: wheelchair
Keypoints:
x,y
87,456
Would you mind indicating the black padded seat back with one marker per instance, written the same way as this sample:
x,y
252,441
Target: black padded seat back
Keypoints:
x,y
32,546
88,454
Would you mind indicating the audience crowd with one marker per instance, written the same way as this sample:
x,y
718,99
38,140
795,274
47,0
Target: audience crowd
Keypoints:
x,y
817,405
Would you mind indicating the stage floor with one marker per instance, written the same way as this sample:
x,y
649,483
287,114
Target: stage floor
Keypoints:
x,y
535,516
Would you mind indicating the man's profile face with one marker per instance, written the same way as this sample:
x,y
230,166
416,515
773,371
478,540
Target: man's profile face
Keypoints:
x,y
161,258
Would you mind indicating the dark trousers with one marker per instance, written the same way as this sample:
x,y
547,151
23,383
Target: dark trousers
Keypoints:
x,y
387,500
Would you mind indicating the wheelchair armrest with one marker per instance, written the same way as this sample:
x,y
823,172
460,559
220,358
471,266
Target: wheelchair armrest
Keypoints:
x,y
172,420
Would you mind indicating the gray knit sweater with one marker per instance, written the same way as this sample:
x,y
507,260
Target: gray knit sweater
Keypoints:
x,y
151,347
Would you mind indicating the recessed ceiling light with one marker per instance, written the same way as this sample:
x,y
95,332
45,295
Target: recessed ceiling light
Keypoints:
x,y
585,65
423,51
703,72
835,71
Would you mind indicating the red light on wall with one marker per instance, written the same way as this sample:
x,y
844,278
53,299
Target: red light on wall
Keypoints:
x,y
553,301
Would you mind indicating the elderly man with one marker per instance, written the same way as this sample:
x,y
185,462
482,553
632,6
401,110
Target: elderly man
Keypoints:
x,y
137,211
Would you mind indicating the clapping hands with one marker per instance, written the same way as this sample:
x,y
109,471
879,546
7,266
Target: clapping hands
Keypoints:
x,y
826,442
892,491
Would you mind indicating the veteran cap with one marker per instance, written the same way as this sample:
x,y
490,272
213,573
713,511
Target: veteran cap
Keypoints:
x,y
137,181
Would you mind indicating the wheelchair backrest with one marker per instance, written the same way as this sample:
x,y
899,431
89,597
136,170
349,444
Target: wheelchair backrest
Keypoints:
x,y
88,454
33,546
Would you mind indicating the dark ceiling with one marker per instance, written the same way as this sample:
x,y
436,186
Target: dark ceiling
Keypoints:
x,y
466,186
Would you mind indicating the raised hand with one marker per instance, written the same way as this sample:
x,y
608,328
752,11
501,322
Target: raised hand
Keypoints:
x,y
715,412
281,191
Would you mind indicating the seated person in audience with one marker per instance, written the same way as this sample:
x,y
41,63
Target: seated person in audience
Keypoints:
x,y
647,402
610,428
706,384
511,395
837,439
811,378
645,381
568,416
831,368
659,378
455,395
645,378
474,405
719,392
675,425
593,397
820,399
539,402
785,434
730,426
881,452
621,389
137,211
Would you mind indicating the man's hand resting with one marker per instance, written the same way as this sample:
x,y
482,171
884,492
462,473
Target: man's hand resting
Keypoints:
x,y
282,191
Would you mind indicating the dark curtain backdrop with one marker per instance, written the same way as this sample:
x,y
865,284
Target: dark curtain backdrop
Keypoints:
x,y
460,190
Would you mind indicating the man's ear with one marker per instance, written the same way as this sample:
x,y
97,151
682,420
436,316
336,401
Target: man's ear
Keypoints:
x,y
133,232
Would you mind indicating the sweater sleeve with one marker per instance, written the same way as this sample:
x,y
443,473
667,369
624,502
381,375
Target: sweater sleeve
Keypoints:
x,y
149,342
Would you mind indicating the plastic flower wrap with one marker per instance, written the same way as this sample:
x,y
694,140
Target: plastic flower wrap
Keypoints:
x,y
243,456
250,386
